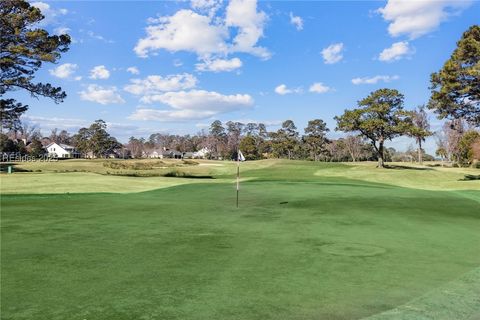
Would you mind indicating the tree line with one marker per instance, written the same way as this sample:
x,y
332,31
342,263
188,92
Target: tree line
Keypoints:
x,y
456,141
376,119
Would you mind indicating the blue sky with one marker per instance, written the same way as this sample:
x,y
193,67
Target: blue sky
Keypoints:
x,y
175,66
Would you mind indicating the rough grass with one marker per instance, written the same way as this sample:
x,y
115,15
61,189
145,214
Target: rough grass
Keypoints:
x,y
302,245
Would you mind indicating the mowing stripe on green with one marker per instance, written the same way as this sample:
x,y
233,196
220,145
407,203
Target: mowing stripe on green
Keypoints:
x,y
459,300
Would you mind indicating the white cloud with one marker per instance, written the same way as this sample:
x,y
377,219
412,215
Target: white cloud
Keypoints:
x,y
333,53
374,80
207,35
265,122
102,95
48,123
417,18
219,65
99,72
319,87
202,125
200,99
192,105
156,84
207,6
282,89
49,13
133,70
250,22
204,4
64,71
185,30
296,21
397,51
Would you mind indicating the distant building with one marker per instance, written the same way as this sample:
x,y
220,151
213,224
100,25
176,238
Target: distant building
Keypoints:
x,y
188,155
202,153
166,153
172,154
112,154
60,150
154,154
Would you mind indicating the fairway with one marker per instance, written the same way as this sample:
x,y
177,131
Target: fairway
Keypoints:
x,y
309,241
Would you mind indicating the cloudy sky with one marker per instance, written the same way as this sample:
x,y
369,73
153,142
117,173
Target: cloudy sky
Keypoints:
x,y
175,66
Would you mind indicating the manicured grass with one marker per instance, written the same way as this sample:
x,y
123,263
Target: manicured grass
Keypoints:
x,y
459,299
302,245
84,182
409,175
91,175
84,176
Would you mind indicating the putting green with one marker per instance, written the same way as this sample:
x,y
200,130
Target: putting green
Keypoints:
x,y
459,299
301,246
353,249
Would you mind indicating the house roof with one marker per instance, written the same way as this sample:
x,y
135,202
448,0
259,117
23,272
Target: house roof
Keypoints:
x,y
66,146
172,152
62,145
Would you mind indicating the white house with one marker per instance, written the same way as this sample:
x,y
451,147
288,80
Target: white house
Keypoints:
x,y
157,154
60,150
202,153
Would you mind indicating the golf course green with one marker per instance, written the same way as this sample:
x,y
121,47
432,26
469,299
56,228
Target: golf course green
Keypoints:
x,y
308,241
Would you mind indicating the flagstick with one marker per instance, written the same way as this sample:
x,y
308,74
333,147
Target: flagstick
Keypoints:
x,y
238,175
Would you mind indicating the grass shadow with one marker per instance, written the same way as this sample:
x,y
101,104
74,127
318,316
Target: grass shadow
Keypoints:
x,y
399,167
470,177
15,168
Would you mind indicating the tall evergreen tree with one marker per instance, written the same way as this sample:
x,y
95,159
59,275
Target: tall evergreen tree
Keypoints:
x,y
218,138
285,140
315,138
456,87
95,139
248,146
24,48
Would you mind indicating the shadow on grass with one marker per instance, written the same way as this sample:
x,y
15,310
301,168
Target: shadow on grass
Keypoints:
x,y
4,167
171,174
470,177
398,167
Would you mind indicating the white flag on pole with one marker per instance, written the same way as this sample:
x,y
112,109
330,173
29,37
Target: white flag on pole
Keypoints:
x,y
240,156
